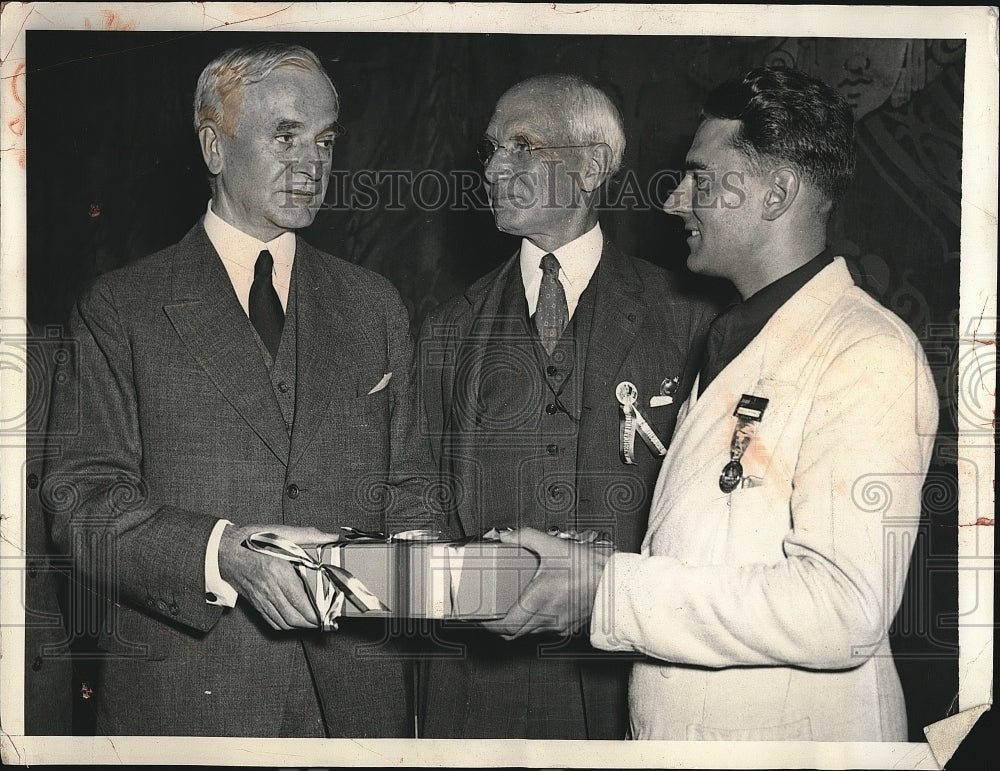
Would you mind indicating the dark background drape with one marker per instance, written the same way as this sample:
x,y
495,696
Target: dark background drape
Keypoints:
x,y
114,173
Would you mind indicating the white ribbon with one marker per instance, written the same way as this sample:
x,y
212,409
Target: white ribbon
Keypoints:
x,y
328,584
633,420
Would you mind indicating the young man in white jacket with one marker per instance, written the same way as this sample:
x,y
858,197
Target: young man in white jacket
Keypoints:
x,y
785,512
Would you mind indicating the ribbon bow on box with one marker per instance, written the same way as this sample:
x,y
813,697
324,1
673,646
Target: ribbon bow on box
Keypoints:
x,y
327,585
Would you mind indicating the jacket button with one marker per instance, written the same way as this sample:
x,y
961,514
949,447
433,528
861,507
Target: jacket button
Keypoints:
x,y
174,609
292,491
32,481
552,449
36,664
283,386
149,602
551,409
161,605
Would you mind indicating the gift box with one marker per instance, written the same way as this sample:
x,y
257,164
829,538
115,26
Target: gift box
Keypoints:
x,y
468,580
473,581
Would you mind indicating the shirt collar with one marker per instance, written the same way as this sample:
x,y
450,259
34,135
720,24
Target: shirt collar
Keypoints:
x,y
733,330
233,245
577,260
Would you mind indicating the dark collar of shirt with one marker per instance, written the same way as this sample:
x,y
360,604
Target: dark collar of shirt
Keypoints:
x,y
734,329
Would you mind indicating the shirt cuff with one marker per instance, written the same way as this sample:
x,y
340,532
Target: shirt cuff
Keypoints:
x,y
609,627
217,590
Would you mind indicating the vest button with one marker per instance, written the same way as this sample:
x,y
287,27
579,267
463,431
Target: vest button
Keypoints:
x,y
32,481
292,491
36,664
551,409
552,371
552,449
283,386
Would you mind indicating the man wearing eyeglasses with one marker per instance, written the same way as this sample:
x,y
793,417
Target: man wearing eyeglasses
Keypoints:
x,y
519,379
237,381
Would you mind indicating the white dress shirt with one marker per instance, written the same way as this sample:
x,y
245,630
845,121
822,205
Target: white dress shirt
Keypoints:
x,y
577,262
239,253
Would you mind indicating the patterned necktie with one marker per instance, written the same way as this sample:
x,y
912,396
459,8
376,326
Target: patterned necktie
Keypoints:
x,y
266,314
551,313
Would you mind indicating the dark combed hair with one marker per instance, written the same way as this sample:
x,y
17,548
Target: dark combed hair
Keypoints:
x,y
788,116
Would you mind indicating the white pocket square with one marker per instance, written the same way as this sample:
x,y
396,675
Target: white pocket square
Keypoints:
x,y
381,383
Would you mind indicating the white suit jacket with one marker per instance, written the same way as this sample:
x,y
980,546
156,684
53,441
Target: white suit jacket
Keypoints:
x,y
764,612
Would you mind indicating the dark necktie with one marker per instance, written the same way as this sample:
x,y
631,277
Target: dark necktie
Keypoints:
x,y
714,359
551,313
266,314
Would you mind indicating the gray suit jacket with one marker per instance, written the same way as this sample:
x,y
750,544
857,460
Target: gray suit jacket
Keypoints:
x,y
644,330
169,423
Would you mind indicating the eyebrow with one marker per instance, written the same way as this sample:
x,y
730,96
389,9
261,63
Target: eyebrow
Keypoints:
x,y
287,124
695,166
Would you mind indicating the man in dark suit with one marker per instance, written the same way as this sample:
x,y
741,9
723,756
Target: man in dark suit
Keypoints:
x,y
239,380
519,377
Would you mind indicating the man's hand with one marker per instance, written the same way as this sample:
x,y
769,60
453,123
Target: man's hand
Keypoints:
x,y
560,598
271,585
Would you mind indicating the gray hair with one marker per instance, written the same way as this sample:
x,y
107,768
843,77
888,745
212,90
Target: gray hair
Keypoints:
x,y
591,116
220,87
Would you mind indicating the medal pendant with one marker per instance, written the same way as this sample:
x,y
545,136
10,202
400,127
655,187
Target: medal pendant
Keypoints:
x,y
731,475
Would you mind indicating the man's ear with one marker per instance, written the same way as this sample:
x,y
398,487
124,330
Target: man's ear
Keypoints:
x,y
211,147
596,170
782,192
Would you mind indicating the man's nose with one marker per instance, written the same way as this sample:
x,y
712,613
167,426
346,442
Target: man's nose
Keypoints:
x,y
312,162
498,166
679,200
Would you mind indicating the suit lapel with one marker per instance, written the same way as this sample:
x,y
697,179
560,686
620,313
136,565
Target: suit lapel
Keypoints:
x,y
484,303
331,346
772,363
460,429
209,319
619,309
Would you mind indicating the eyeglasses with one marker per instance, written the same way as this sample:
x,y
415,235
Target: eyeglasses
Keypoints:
x,y
517,148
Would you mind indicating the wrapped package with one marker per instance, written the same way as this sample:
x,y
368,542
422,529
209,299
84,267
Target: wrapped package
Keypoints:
x,y
468,580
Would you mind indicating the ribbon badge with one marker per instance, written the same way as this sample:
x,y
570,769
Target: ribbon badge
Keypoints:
x,y
632,420
749,412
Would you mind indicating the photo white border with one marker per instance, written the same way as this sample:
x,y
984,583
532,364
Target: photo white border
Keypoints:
x,y
977,368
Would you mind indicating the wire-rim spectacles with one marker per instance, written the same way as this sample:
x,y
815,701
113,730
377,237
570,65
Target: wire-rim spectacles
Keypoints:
x,y
487,148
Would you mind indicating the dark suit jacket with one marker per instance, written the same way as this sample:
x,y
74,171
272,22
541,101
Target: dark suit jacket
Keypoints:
x,y
643,330
174,424
48,677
